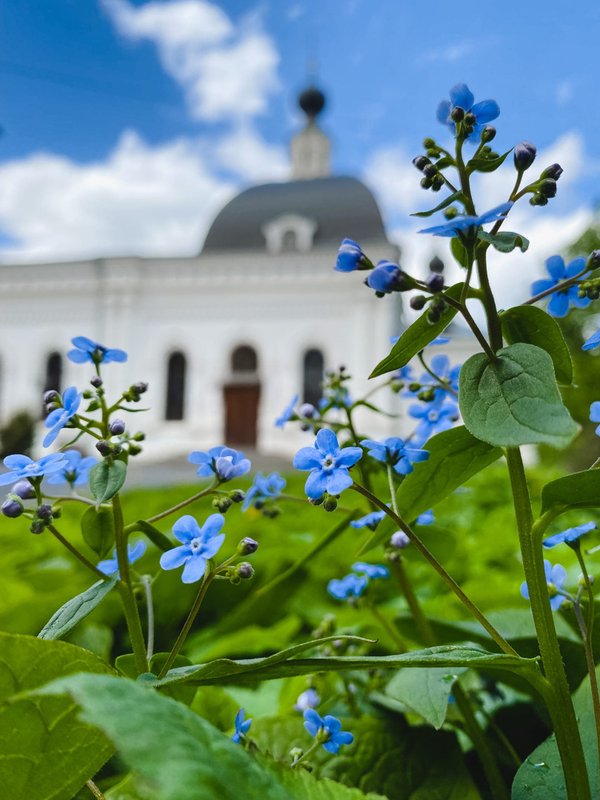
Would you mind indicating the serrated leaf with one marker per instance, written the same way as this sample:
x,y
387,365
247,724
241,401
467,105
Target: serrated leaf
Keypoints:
x,y
426,692
98,529
532,325
514,400
417,336
579,490
482,164
454,197
106,479
505,241
46,752
76,609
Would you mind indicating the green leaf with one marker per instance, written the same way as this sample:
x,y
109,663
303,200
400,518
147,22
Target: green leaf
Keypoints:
x,y
482,164
579,490
454,457
98,529
417,336
426,691
532,325
46,752
459,251
106,479
179,754
455,197
514,400
445,161
76,609
303,786
156,537
505,241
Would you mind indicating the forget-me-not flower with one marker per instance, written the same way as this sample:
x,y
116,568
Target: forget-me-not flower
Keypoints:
x,y
570,535
426,518
433,418
350,257
59,417
222,461
264,488
592,342
556,577
75,471
199,544
326,730
462,97
350,586
88,350
287,413
242,726
561,301
328,464
384,278
21,466
393,451
372,571
307,699
370,521
594,416
440,365
459,225
110,566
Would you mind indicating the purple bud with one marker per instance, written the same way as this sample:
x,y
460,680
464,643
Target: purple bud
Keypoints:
x,y
435,282
307,410
44,511
247,546
12,508
436,265
116,427
421,162
524,155
24,490
245,570
554,171
96,381
50,396
140,387
399,540
103,448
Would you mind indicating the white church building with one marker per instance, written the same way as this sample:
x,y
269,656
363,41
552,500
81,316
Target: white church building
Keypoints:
x,y
227,337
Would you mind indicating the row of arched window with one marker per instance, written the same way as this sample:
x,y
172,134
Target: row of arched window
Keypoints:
x,y
244,368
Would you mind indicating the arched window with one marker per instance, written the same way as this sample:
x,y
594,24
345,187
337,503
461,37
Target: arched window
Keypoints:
x,y
244,360
313,370
175,403
53,376
288,242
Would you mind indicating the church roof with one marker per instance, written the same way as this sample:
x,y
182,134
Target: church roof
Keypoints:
x,y
340,206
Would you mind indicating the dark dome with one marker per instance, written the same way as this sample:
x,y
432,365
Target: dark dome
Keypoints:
x,y
341,207
312,101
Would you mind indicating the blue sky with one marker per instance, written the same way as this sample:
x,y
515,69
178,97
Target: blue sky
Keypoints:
x,y
128,123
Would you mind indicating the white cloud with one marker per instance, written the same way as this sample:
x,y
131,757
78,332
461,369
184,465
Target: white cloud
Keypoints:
x,y
245,153
226,72
563,92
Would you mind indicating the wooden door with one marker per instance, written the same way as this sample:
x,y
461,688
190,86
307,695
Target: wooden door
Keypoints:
x,y
241,413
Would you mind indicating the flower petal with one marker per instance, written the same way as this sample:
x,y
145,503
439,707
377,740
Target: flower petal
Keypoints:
x,y
462,96
316,484
337,481
176,557
186,528
556,267
326,441
349,456
559,305
212,526
307,458
485,111
443,112
194,569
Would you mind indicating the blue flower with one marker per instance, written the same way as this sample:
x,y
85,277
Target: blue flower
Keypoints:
x,y
555,578
335,397
21,466
327,730
372,571
570,535
561,300
348,587
394,452
224,462
287,413
440,364
198,546
134,552
75,470
399,540
426,518
438,341
434,418
384,278
592,342
242,726
263,488
459,225
350,257
57,419
594,416
88,350
307,699
462,97
371,520
328,464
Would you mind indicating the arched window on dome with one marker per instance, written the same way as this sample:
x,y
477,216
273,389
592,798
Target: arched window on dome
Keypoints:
x,y
313,372
176,375
289,233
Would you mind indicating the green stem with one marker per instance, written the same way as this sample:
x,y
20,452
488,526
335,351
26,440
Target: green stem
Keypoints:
x,y
95,790
147,584
307,753
560,287
177,507
74,551
591,667
444,384
558,697
472,324
363,472
493,320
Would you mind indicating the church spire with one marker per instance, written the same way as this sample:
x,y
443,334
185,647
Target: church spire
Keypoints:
x,y
310,146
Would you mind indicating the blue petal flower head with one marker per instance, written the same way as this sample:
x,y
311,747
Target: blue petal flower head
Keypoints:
x,y
326,730
263,488
307,699
224,462
287,413
462,97
384,278
328,464
348,587
594,416
242,726
372,571
460,225
561,301
393,451
440,364
556,577
335,397
426,518
370,521
199,544
433,418
22,467
75,471
570,535
350,257
592,342
57,419
88,350
110,566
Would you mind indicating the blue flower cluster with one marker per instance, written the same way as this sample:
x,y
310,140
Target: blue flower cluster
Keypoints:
x,y
462,97
326,730
354,584
199,544
264,488
223,462
23,467
76,469
328,464
59,417
561,301
87,350
556,577
394,452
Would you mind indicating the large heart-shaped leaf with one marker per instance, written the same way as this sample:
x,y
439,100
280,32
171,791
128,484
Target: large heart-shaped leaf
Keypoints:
x,y
532,325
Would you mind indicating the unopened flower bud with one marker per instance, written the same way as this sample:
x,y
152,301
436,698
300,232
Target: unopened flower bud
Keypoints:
x,y
237,496
247,546
593,261
524,156
436,265
421,162
548,188
426,183
399,540
116,427
428,143
554,171
245,571
37,526
435,283
103,447
51,396
429,171
470,119
315,501
330,503
417,302
44,511
140,388
139,436
436,183
24,490
458,114
12,507
96,381
488,133
133,449
307,410
222,504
